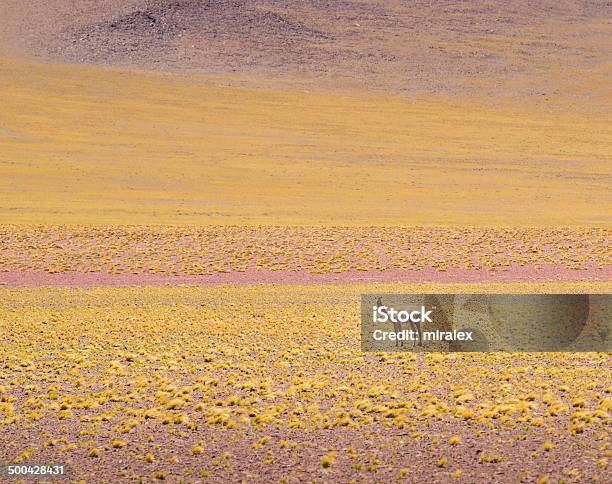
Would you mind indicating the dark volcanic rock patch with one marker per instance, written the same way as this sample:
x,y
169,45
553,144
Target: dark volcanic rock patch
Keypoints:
x,y
219,33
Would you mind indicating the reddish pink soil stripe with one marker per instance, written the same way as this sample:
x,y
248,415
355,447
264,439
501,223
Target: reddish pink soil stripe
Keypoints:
x,y
548,273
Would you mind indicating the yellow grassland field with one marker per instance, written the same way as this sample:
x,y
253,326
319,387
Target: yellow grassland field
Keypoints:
x,y
98,146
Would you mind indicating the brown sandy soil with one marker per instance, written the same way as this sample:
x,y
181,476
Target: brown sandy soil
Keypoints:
x,y
546,48
379,453
546,273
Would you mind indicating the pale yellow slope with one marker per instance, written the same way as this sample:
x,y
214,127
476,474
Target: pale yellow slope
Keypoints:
x,y
87,145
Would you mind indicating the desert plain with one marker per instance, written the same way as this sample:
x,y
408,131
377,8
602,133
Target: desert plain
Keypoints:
x,y
194,194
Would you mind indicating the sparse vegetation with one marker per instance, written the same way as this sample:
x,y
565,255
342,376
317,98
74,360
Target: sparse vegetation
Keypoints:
x,y
171,379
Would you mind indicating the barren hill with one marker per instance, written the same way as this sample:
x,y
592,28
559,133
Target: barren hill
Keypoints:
x,y
423,45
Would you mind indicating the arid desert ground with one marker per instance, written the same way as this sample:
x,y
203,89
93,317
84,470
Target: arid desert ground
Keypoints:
x,y
194,194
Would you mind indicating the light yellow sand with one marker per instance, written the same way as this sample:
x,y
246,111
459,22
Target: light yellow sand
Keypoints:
x,y
91,145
